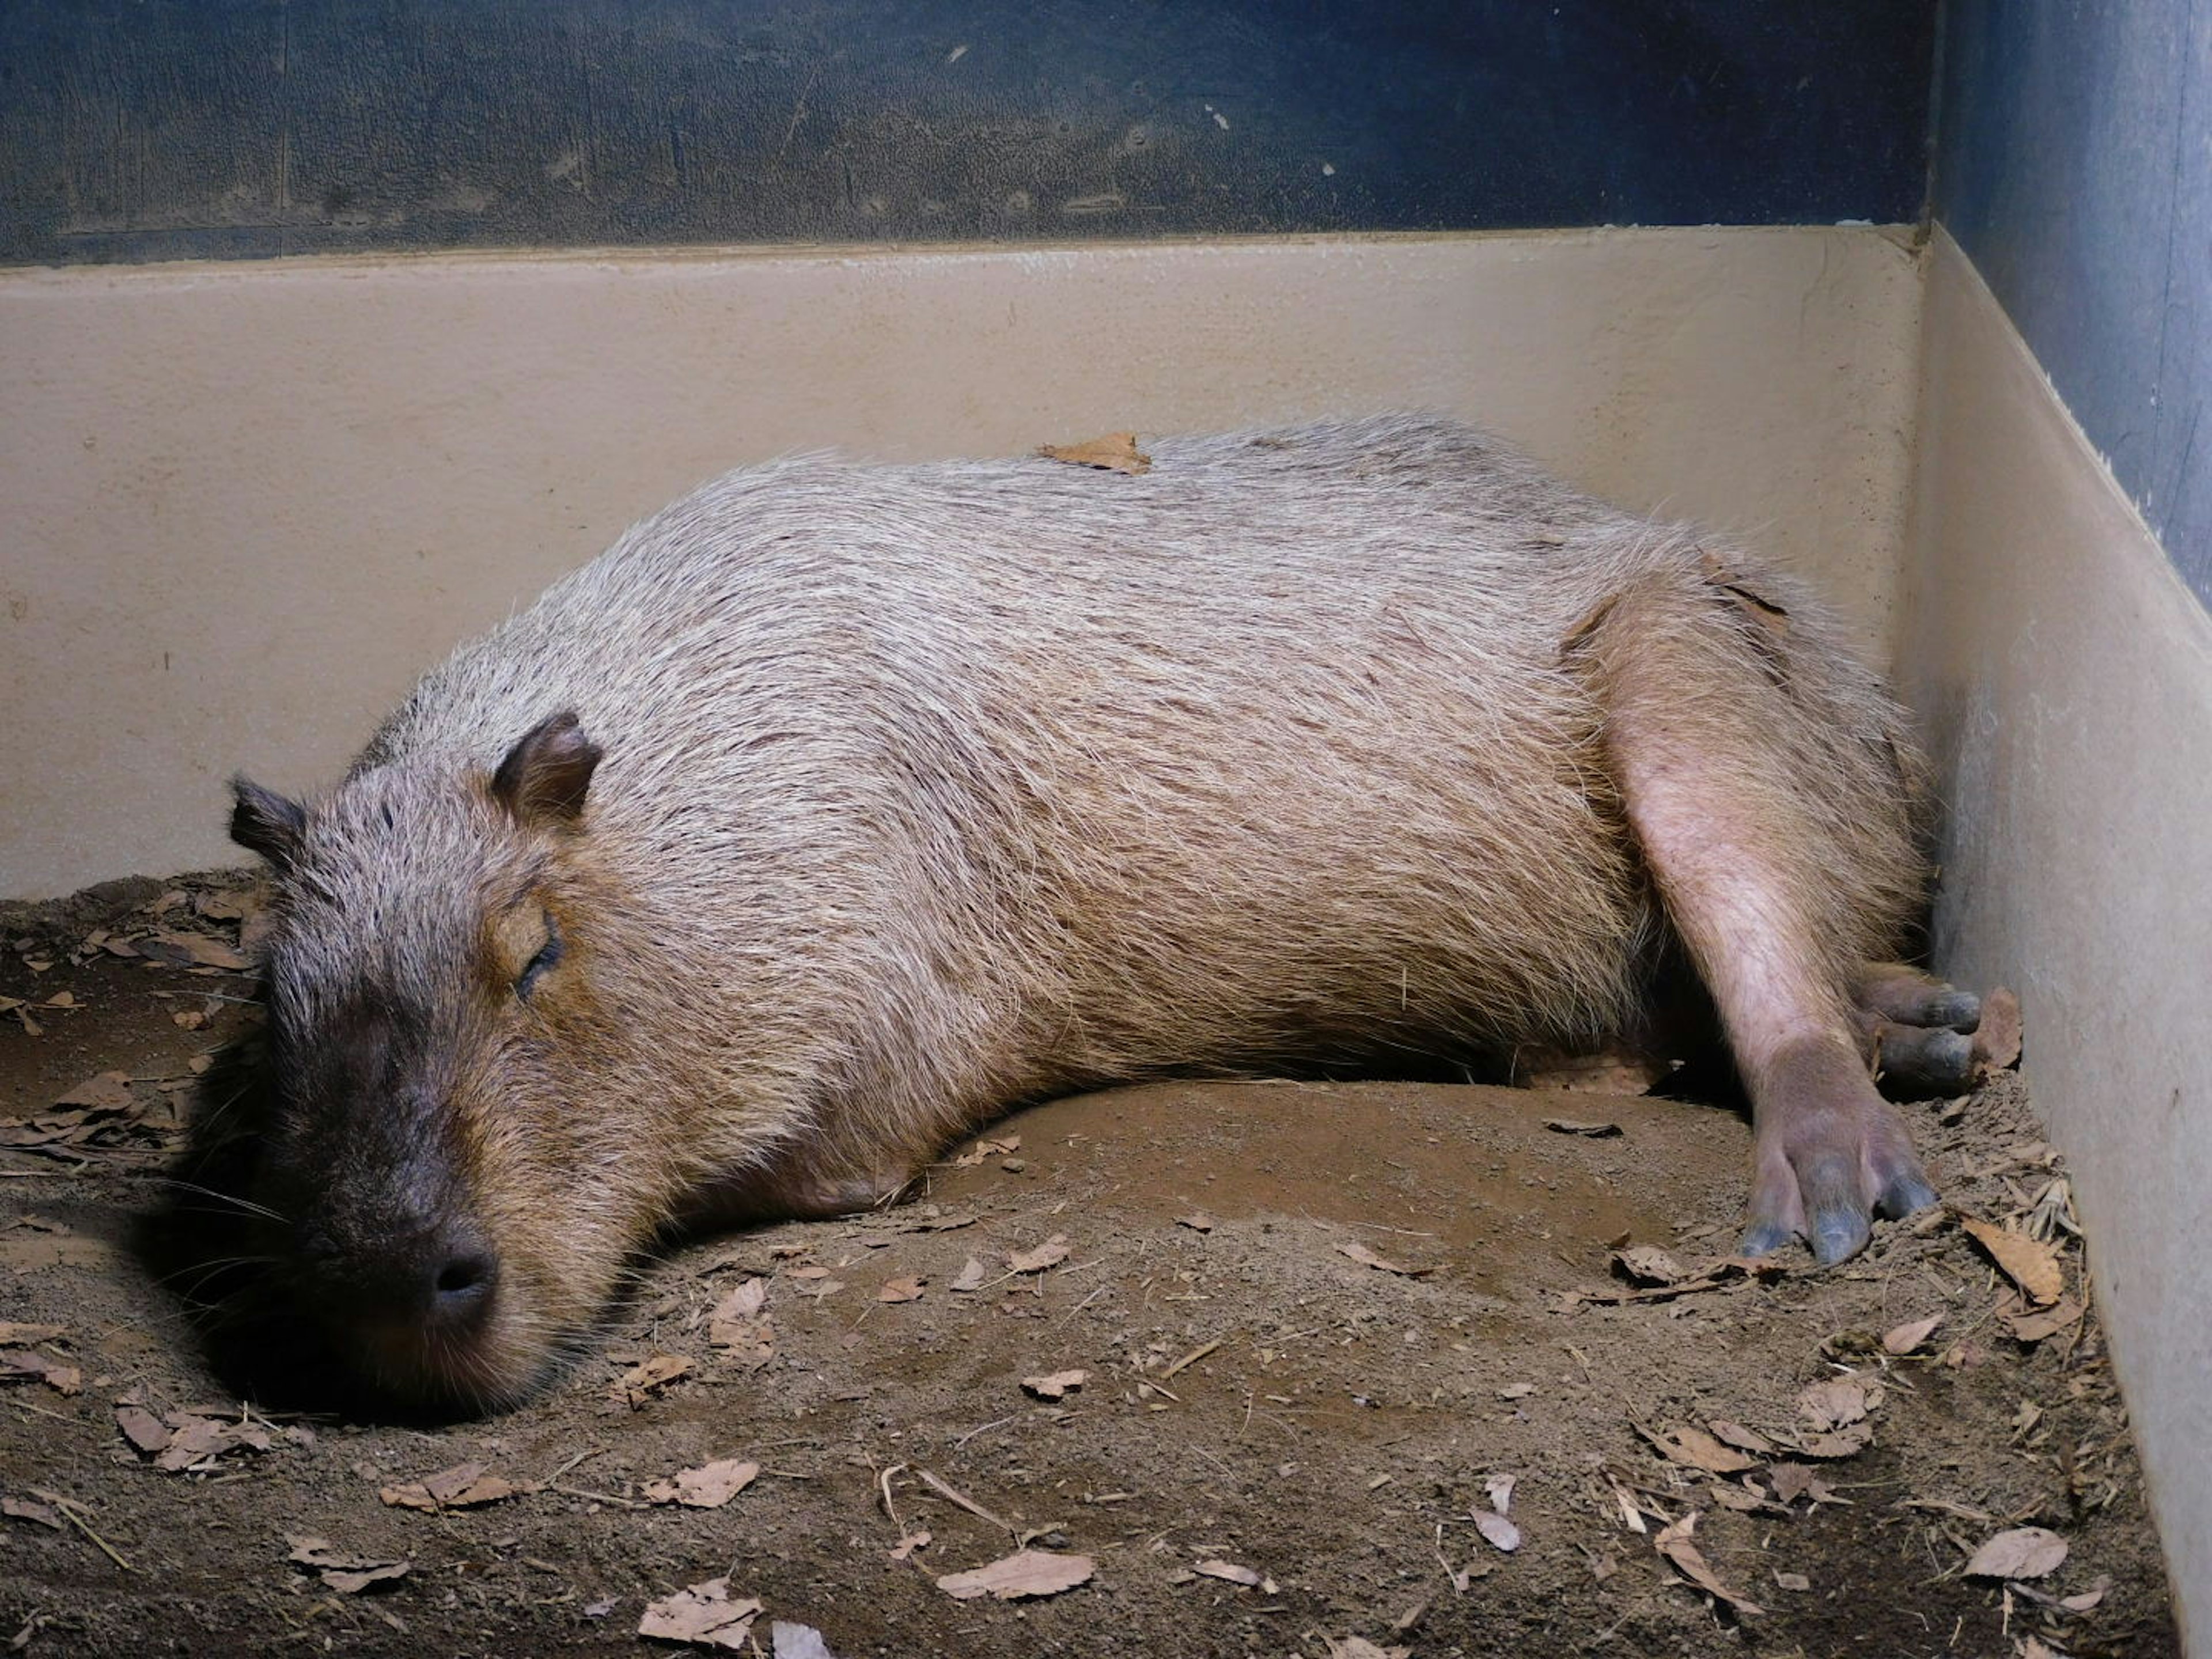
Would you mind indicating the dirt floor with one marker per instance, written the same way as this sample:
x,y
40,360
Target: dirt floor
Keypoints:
x,y
1377,1367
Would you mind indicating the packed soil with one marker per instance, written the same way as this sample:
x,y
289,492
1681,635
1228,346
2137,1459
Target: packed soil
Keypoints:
x,y
1396,1367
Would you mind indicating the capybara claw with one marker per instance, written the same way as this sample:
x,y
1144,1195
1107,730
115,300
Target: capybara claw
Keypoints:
x,y
1838,1234
1906,1195
1763,1239
1920,1062
1959,1010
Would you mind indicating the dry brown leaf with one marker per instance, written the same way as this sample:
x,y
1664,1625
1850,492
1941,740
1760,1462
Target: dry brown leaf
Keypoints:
x,y
2029,1263
464,1486
747,1300
61,1378
704,1615
1678,1544
1743,1440
1498,1489
2088,1599
1502,1533
105,1091
1834,1402
900,1289
1570,1126
1694,1449
1230,1573
641,1383
205,952
349,1574
1792,1580
907,1544
144,1430
2022,1552
1023,1574
1049,1253
1842,1442
1996,1039
196,1442
709,1487
1117,452
23,1508
2061,1315
1056,1385
741,1327
1358,1647
1795,1481
23,1254
790,1641
1595,1074
1901,1339
1198,1221
1367,1258
971,1277
1647,1264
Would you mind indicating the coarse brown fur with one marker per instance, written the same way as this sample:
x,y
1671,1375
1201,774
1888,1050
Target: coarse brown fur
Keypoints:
x,y
907,793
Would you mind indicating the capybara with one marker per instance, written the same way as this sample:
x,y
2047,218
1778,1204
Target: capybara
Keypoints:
x,y
838,808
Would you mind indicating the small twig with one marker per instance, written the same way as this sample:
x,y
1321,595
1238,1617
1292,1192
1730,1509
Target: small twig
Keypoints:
x,y
1081,1305
972,1433
954,1494
597,1497
71,1513
1193,1356
884,1487
58,1417
588,1452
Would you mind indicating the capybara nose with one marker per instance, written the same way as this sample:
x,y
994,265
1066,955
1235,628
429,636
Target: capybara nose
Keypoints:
x,y
462,1284
441,1277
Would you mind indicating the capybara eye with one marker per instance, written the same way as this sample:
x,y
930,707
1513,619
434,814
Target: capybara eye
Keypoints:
x,y
548,954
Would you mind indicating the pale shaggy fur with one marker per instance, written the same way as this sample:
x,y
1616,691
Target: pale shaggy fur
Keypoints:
x,y
928,789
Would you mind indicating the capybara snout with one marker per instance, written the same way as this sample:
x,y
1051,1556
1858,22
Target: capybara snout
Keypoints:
x,y
837,808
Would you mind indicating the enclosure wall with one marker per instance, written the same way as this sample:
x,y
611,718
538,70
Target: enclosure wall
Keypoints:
x,y
248,504
2065,673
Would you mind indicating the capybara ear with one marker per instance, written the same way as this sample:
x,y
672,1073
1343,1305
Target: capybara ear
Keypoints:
x,y
262,821
546,775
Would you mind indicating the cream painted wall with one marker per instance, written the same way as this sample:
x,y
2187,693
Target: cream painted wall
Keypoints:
x,y
242,504
2064,674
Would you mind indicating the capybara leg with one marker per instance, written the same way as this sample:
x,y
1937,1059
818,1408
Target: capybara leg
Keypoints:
x,y
1913,1030
1748,879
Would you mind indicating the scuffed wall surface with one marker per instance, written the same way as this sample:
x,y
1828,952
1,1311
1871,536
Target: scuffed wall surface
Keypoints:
x,y
134,130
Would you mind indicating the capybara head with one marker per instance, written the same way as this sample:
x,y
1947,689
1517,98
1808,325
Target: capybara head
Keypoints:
x,y
452,1210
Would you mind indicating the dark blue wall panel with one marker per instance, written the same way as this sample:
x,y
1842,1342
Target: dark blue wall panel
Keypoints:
x,y
2074,164
151,129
